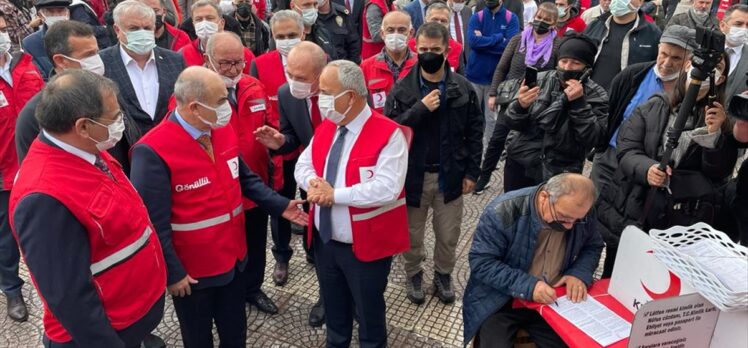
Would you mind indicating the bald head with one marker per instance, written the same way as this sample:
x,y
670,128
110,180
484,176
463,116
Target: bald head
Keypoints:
x,y
196,84
222,42
571,184
566,198
308,54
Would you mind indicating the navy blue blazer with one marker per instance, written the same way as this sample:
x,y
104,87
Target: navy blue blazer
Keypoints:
x,y
295,121
416,15
34,45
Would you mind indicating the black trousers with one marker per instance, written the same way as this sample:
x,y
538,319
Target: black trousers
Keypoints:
x,y
515,176
346,282
10,282
280,227
132,335
500,329
256,225
494,149
224,304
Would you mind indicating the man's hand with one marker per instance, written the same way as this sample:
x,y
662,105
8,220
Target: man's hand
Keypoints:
x,y
715,117
574,90
270,137
431,100
492,103
295,214
467,186
182,288
656,177
36,22
320,193
543,293
527,96
576,290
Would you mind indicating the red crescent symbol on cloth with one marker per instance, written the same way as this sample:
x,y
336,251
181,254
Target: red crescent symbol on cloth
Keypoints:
x,y
369,174
672,290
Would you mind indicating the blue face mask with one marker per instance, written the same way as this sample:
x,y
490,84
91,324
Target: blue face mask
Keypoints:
x,y
140,41
620,8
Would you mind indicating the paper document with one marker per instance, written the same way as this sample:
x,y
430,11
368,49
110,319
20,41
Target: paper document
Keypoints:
x,y
730,269
597,321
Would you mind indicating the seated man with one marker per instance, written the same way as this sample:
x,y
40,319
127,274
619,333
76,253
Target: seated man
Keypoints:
x,y
522,245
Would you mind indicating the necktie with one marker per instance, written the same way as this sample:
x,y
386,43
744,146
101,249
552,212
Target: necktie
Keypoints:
x,y
316,116
458,29
348,5
204,141
232,97
99,163
331,172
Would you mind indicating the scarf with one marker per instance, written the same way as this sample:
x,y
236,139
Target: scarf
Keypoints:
x,y
533,51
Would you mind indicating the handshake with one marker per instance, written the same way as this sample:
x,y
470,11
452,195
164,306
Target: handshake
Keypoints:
x,y
320,192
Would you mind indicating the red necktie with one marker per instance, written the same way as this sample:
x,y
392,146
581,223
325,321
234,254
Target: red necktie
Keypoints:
x,y
316,116
348,5
458,29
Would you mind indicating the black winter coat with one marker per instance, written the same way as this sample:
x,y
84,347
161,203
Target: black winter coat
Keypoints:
x,y
642,41
460,128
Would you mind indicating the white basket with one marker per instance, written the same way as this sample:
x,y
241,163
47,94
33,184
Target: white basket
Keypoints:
x,y
685,267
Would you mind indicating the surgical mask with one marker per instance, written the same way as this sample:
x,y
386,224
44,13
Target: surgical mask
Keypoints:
x,y
93,64
737,36
309,16
396,42
285,46
561,11
458,6
705,83
54,19
326,104
431,62
4,43
115,131
620,8
666,78
205,29
541,27
699,14
223,115
300,90
140,41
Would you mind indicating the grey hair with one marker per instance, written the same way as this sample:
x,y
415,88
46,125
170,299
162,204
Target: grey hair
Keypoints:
x,y
188,89
210,45
401,12
203,3
135,8
287,15
732,9
565,184
438,5
350,76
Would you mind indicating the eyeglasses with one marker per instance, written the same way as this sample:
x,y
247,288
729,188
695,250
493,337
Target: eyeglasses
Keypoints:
x,y
564,219
231,64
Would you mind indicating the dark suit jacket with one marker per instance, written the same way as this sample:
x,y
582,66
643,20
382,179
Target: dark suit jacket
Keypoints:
x,y
355,14
416,15
736,82
465,15
295,121
34,45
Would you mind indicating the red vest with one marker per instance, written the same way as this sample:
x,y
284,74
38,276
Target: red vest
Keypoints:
x,y
179,38
379,79
377,232
453,57
207,217
127,263
193,56
369,47
27,81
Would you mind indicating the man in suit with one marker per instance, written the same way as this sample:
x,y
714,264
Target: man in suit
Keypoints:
x,y
192,179
144,72
299,116
417,11
735,27
354,171
459,24
34,43
355,12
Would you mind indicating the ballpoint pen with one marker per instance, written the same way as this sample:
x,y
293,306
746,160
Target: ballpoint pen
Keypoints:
x,y
546,281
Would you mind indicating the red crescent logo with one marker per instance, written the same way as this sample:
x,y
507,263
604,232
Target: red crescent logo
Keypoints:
x,y
672,290
369,174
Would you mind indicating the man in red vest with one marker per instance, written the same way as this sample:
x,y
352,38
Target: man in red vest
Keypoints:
x,y
100,270
208,20
250,110
167,35
440,12
394,61
354,171
192,178
372,41
20,81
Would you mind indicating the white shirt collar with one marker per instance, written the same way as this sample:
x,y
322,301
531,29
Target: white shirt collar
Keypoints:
x,y
357,123
127,59
8,60
86,156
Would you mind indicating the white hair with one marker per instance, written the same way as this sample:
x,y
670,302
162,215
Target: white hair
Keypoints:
x,y
565,184
135,9
350,76
287,15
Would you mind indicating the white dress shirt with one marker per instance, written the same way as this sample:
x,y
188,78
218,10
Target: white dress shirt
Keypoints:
x,y
734,53
86,156
456,21
144,81
5,72
382,189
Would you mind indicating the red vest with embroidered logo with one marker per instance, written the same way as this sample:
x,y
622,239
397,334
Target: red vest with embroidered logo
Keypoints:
x,y
379,79
127,264
207,215
377,232
368,46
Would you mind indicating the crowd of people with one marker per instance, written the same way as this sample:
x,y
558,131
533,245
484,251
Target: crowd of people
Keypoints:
x,y
149,145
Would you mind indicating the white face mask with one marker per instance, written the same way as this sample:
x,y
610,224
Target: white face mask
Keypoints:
x,y
326,104
205,29
666,78
223,115
228,81
54,19
561,11
93,64
115,131
396,42
285,46
4,43
309,16
300,90
458,6
737,36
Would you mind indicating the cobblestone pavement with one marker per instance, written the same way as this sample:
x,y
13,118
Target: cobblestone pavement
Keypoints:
x,y
431,324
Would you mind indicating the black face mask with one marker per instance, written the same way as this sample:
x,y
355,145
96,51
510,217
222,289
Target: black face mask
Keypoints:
x,y
541,27
431,62
159,22
244,10
566,75
492,4
555,225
